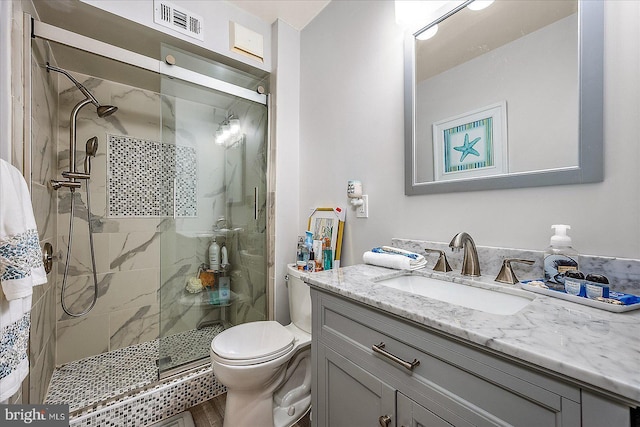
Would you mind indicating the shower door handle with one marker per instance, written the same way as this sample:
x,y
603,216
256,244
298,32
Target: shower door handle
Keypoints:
x,y
255,203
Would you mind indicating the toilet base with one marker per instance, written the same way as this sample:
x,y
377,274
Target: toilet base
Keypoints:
x,y
281,403
248,410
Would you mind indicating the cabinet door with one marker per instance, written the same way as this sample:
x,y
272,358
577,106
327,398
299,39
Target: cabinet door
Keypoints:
x,y
350,396
410,414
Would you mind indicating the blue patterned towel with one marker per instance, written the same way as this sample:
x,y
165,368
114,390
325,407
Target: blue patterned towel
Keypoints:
x,y
21,268
21,265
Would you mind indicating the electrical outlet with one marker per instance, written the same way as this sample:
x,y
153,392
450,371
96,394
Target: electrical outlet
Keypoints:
x,y
363,209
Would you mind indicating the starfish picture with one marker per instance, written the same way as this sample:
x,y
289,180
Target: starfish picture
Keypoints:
x,y
467,147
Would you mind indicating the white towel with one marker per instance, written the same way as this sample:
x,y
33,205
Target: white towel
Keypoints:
x,y
21,268
21,265
398,262
15,322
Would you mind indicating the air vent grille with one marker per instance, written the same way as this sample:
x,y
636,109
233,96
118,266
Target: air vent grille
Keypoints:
x,y
177,18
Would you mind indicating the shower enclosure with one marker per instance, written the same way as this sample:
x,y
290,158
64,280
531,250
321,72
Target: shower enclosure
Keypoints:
x,y
169,175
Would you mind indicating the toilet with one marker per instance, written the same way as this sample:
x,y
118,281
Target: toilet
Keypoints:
x,y
266,366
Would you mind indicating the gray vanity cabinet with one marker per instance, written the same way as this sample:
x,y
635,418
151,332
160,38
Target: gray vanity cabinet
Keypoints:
x,y
353,396
455,383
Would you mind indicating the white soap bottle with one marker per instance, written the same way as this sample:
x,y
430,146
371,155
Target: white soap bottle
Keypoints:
x,y
214,255
225,257
559,257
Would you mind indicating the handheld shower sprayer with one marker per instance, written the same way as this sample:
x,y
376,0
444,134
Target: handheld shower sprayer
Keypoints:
x,y
92,149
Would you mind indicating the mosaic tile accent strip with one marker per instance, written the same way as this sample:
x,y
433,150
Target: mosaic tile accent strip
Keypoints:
x,y
141,176
155,404
86,382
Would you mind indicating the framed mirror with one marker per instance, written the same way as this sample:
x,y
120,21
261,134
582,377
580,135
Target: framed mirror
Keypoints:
x,y
506,97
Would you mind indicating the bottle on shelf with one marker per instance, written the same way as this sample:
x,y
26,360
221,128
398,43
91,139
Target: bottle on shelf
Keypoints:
x,y
214,255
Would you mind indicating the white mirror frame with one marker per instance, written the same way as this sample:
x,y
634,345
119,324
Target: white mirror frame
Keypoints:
x,y
591,118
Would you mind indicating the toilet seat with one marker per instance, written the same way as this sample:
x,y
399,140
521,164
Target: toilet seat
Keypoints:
x,y
252,343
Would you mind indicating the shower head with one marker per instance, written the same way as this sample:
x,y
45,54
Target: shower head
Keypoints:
x,y
102,110
106,110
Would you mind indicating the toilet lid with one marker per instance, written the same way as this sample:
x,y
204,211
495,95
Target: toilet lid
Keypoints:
x,y
247,342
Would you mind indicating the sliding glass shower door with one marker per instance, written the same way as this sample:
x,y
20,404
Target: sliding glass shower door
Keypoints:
x,y
212,187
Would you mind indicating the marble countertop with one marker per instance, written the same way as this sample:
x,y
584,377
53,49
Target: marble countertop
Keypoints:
x,y
593,347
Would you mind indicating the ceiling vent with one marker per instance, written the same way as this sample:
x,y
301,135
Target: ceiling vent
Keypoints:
x,y
177,18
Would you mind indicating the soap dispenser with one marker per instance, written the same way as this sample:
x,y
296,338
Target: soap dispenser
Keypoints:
x,y
559,257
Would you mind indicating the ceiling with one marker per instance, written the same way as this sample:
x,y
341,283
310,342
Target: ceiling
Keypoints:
x,y
297,13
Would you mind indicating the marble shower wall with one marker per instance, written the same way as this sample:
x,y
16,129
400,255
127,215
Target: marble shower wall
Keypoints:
x,y
43,168
143,263
127,250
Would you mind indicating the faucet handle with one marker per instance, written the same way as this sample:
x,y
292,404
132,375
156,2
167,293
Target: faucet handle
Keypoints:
x,y
506,274
442,264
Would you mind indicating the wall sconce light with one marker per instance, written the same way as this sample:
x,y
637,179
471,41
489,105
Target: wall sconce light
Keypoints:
x,y
354,192
228,131
428,33
479,4
414,15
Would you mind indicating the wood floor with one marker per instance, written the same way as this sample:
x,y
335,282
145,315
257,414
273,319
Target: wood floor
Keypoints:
x,y
211,414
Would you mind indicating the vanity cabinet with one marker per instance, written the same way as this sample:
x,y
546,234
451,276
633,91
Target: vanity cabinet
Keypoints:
x,y
372,368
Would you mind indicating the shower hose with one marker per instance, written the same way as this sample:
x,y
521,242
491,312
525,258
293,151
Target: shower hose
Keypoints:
x,y
67,262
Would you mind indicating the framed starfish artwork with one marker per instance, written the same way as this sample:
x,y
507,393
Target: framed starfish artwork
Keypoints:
x,y
473,144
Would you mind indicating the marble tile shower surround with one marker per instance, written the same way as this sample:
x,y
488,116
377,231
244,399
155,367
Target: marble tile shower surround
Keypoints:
x,y
623,273
44,101
143,263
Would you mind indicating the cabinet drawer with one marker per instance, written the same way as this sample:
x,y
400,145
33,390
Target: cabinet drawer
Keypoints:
x,y
450,373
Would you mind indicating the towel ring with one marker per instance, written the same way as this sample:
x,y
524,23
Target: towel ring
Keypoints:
x,y
47,257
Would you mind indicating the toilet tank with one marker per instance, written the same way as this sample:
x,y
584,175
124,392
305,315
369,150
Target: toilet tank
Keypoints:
x,y
299,299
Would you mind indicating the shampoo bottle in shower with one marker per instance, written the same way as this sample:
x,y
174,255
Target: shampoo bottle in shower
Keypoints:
x,y
214,255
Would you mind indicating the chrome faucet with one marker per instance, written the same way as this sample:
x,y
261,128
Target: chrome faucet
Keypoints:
x,y
470,263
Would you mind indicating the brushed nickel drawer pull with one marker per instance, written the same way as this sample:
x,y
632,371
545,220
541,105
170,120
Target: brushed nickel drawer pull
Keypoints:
x,y
407,365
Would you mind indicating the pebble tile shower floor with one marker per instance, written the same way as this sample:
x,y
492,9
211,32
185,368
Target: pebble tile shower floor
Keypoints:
x,y
86,382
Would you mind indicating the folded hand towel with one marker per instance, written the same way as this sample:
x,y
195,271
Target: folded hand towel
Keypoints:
x,y
395,261
21,265
415,260
397,251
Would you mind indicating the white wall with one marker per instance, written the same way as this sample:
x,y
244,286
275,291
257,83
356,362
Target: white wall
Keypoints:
x,y
285,84
351,127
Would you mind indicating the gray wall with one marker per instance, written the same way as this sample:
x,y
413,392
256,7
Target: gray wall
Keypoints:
x,y
351,127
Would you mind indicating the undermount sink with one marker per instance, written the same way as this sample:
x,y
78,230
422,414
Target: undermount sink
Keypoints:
x,y
477,298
